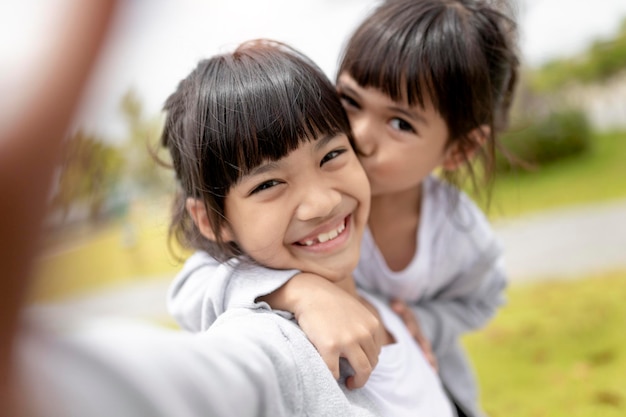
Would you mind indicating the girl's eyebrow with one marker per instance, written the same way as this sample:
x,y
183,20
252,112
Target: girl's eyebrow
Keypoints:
x,y
347,88
323,141
263,168
416,116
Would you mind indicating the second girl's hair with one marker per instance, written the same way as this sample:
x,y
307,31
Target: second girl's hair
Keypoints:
x,y
461,54
233,112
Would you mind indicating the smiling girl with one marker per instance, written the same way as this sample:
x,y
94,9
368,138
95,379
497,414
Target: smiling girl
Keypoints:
x,y
263,154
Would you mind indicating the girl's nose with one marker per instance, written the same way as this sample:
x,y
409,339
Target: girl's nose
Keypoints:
x,y
318,201
364,136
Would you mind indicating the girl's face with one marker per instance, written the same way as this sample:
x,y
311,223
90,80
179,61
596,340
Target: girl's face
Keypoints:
x,y
399,145
306,211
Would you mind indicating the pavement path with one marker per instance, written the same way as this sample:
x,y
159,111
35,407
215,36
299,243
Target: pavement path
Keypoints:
x,y
565,243
558,244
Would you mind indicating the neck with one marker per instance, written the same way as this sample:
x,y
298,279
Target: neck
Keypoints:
x,y
400,205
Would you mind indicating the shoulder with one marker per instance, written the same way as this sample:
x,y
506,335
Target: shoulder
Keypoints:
x,y
450,200
458,215
196,269
265,334
261,326
276,351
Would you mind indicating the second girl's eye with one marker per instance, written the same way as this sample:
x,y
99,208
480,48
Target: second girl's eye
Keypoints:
x,y
346,100
402,125
264,186
332,155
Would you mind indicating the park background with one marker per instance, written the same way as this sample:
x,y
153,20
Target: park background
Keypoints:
x,y
556,348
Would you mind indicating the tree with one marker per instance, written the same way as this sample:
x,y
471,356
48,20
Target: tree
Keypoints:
x,y
90,170
143,173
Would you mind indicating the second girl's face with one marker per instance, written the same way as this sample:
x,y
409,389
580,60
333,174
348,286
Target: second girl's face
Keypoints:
x,y
399,145
306,211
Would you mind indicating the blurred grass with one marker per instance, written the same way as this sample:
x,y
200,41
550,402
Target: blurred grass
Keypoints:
x,y
108,256
596,176
556,349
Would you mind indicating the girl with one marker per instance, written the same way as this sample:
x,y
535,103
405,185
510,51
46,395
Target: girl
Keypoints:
x,y
427,85
262,150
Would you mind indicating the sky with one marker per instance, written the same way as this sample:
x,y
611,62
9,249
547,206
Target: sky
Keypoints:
x,y
155,43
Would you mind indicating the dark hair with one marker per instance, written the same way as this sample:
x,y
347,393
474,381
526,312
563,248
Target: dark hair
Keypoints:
x,y
459,53
233,112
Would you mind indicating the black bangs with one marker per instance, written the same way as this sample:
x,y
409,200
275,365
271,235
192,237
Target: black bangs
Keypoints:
x,y
261,105
389,52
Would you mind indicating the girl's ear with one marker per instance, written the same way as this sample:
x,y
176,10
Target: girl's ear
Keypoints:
x,y
460,152
197,210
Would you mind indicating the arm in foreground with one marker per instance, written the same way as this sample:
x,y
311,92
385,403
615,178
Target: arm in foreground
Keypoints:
x,y
117,367
30,144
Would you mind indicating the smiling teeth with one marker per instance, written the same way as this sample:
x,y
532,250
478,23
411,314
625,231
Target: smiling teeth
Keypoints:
x,y
325,237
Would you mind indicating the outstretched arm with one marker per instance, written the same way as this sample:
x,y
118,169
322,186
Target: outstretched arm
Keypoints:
x,y
29,145
125,368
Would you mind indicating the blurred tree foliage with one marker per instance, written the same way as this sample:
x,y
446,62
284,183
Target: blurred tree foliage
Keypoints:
x,y
90,170
602,60
105,177
549,120
143,175
561,134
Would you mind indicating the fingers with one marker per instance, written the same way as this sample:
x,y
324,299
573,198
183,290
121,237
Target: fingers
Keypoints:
x,y
362,370
332,361
340,326
361,351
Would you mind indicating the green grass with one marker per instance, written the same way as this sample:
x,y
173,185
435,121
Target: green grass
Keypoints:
x,y
556,349
597,176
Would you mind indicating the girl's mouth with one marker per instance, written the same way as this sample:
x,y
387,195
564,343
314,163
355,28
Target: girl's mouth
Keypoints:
x,y
325,237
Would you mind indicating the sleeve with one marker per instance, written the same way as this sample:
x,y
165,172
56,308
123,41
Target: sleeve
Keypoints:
x,y
205,288
466,304
141,370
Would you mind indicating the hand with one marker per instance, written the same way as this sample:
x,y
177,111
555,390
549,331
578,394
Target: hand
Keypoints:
x,y
336,323
412,324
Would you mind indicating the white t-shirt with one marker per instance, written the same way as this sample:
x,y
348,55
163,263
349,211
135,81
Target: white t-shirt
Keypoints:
x,y
403,383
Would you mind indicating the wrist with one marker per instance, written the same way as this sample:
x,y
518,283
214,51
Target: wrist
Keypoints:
x,y
296,294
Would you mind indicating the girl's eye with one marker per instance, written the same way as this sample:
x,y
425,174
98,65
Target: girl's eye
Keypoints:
x,y
332,155
348,101
264,186
402,125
